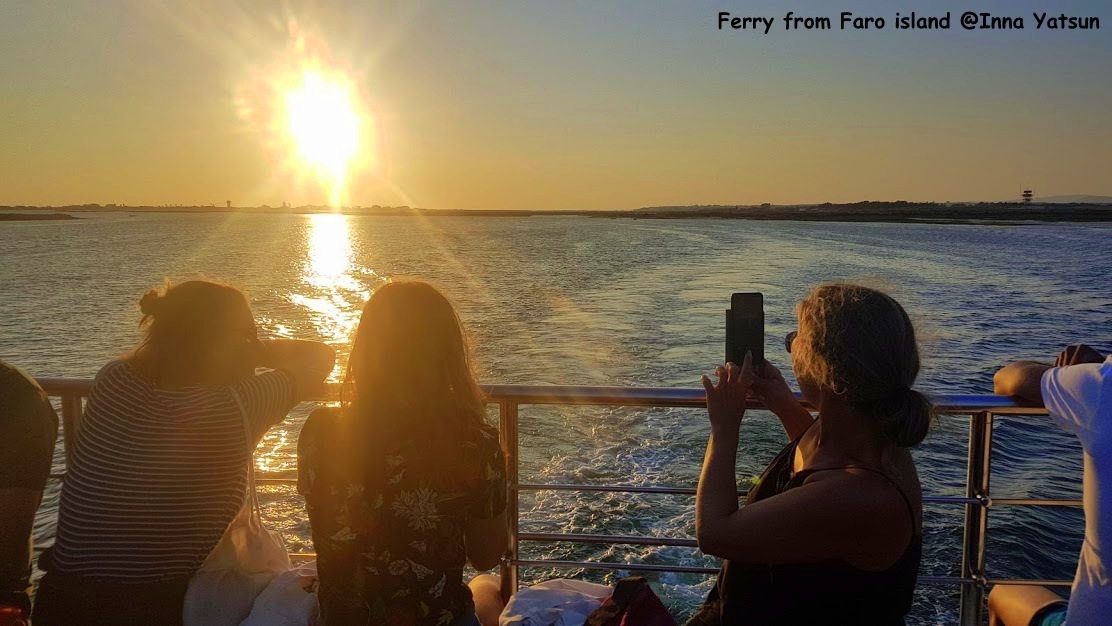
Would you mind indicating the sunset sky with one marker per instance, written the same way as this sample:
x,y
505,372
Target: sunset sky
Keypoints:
x,y
550,104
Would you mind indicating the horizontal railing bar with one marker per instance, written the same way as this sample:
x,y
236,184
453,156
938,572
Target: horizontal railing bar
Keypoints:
x,y
1032,502
945,580
683,569
929,580
687,491
952,580
673,491
260,481
1035,582
633,567
624,396
65,386
949,500
631,540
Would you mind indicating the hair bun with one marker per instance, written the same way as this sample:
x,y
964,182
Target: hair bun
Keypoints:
x,y
149,303
909,424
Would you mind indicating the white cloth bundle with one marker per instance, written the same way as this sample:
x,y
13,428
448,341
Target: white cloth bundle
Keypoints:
x,y
557,602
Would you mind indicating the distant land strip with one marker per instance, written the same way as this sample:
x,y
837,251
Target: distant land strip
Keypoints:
x,y
33,217
871,211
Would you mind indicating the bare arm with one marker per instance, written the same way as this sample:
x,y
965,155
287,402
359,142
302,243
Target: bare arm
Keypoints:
x,y
795,419
716,498
486,541
831,518
310,362
1022,379
487,533
773,391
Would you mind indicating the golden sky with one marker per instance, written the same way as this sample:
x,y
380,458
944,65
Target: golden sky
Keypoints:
x,y
546,105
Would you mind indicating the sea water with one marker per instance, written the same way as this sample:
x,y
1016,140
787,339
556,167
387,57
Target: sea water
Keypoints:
x,y
594,301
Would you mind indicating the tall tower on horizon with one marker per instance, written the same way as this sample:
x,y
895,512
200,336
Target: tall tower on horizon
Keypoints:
x,y
1028,194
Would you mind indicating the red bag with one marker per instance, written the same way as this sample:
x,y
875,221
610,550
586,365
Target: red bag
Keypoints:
x,y
633,603
12,616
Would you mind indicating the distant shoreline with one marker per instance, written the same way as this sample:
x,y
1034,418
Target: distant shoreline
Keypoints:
x,y
30,217
1001,213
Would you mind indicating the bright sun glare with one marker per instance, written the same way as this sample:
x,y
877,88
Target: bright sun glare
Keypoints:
x,y
324,125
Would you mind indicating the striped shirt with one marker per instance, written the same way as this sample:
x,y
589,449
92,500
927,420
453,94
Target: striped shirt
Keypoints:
x,y
158,475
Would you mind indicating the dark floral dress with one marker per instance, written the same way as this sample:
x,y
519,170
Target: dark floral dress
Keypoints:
x,y
395,555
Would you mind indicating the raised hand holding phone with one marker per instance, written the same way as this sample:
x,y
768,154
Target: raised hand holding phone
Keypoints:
x,y
745,328
771,389
726,399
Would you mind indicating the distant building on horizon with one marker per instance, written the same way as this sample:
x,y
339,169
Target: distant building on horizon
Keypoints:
x,y
229,204
1028,194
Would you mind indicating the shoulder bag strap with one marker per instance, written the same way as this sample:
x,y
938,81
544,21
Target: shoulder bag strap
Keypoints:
x,y
250,439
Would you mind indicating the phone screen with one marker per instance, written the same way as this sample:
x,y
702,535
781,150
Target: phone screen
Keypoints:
x,y
745,328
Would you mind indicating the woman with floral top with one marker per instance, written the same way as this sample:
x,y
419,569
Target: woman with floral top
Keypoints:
x,y
405,482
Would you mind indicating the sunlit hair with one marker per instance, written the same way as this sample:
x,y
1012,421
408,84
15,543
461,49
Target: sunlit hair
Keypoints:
x,y
409,378
182,324
860,343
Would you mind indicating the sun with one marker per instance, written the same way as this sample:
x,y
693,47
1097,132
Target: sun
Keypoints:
x,y
324,123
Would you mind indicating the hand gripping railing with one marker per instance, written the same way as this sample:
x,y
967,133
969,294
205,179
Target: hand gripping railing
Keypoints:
x,y
976,501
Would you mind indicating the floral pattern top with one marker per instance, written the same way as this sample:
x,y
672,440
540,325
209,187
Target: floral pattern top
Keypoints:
x,y
394,554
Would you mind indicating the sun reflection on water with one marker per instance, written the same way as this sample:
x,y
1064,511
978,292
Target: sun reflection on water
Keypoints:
x,y
333,288
329,254
333,293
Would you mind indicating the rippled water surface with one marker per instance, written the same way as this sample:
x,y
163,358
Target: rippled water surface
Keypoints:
x,y
608,302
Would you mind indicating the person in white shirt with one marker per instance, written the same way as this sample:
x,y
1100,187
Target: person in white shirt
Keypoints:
x,y
1077,392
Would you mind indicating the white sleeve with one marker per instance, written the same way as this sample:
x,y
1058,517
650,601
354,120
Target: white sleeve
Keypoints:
x,y
1072,395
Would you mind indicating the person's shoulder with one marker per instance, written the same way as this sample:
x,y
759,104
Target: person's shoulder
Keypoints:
x,y
861,488
21,396
14,380
116,371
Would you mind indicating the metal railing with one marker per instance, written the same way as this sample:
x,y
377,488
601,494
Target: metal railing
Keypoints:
x,y
509,398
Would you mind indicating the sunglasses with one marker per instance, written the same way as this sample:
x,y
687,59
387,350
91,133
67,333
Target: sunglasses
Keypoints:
x,y
789,339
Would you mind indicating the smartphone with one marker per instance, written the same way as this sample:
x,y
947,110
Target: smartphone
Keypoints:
x,y
745,329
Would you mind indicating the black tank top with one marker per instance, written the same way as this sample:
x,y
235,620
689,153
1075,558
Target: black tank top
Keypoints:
x,y
826,592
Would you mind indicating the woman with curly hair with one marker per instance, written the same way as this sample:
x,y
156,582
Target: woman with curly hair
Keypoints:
x,y
832,531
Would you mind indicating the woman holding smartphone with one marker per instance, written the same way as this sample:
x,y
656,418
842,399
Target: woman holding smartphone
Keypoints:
x,y
832,532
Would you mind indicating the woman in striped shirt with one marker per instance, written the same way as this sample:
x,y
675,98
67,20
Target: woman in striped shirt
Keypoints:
x,y
160,463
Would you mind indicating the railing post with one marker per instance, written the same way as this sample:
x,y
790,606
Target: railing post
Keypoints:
x,y
507,417
978,471
71,422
